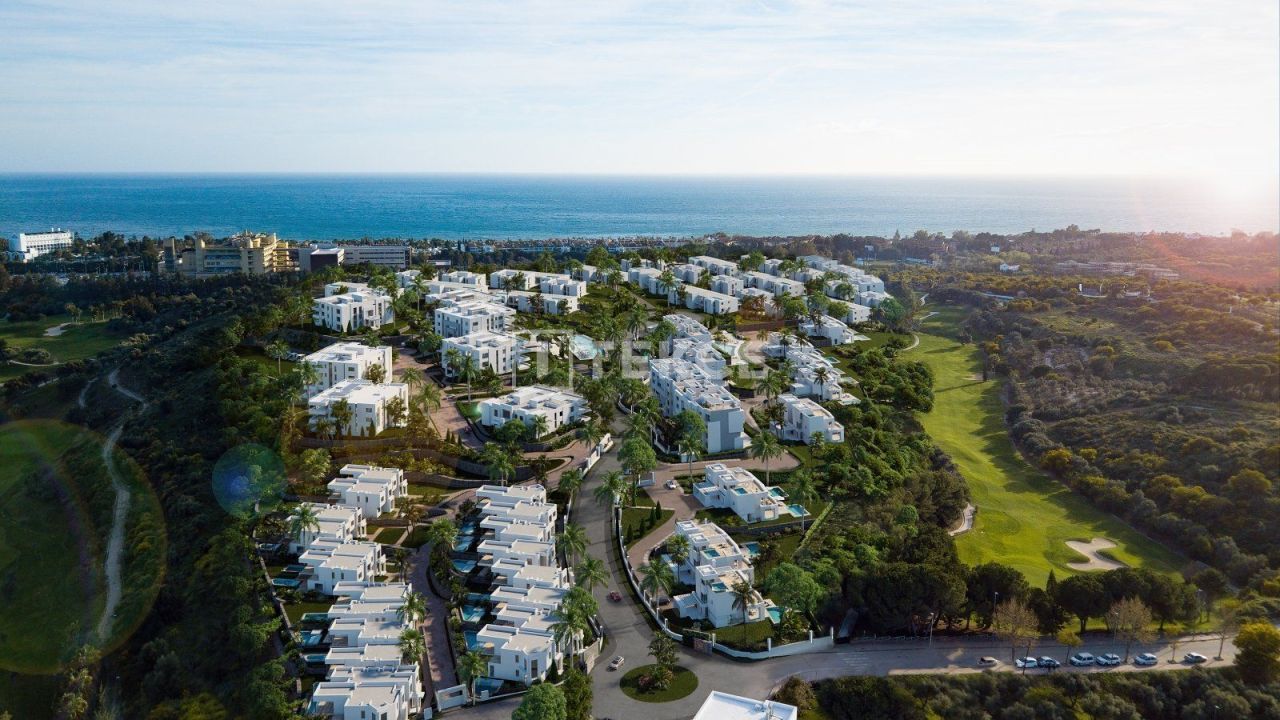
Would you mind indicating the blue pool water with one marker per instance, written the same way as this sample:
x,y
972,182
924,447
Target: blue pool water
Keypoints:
x,y
752,548
464,566
775,614
472,613
777,492
294,568
583,347
470,635
798,510
490,684
286,582
711,552
462,542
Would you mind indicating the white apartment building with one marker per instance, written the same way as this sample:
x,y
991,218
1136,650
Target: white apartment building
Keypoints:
x,y
374,490
524,404
687,327
465,277
707,301
499,351
367,402
329,563
681,385
30,246
802,418
739,490
388,692
686,272
873,298
395,257
700,353
532,302
353,310
728,285
715,564
767,303
334,524
464,317
830,329
812,373
723,706
773,283
346,361
856,313
647,280
562,285
518,654
715,266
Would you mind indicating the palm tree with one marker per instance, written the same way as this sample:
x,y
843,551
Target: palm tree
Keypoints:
x,y
576,610
743,596
499,461
540,425
571,481
803,491
308,375
277,351
766,448
442,534
471,667
610,489
656,578
304,519
668,281
342,413
412,645
822,374
326,427
591,573
592,433
414,609
678,547
573,541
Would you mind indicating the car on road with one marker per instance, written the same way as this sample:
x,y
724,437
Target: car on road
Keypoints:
x,y
616,662
1194,658
1026,662
1050,663
615,596
1081,659
987,661
672,484
1146,659
1109,660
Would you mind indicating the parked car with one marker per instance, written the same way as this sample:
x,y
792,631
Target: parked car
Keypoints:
x,y
616,662
987,661
1146,659
1081,659
1194,658
1109,660
615,596
1050,663
672,484
1026,662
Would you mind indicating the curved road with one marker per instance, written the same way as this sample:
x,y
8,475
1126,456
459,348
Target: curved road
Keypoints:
x,y
119,516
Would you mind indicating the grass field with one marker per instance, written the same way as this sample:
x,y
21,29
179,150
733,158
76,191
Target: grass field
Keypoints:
x,y
1024,517
75,343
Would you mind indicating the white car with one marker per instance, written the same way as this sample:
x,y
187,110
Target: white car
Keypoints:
x,y
1194,658
987,661
1146,659
1027,662
616,662
672,484
1109,660
1083,658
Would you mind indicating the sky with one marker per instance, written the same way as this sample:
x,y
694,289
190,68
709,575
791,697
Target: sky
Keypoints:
x,y
942,87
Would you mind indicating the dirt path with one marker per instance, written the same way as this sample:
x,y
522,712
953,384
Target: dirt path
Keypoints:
x,y
119,515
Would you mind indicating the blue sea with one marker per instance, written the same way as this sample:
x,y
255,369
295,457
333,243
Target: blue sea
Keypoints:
x,y
321,207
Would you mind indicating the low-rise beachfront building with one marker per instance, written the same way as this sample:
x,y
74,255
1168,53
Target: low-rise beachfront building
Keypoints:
x,y
465,277
497,351
739,490
702,300
723,706
587,273
367,403
715,564
549,283
373,490
715,265
525,552
345,361
329,563
773,283
829,329
353,310
558,408
30,246
455,318
407,279
802,418
728,285
362,656
334,524
535,302
680,385
703,354
562,285
490,498
373,692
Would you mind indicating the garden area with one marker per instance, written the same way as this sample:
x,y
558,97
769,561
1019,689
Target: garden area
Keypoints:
x,y
662,681
637,522
27,342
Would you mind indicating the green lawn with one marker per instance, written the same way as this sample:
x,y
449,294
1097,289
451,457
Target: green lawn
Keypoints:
x,y
75,343
388,536
633,519
751,636
268,364
682,684
295,611
1024,517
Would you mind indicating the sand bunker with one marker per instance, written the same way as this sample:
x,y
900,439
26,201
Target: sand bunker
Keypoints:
x,y
1091,550
56,330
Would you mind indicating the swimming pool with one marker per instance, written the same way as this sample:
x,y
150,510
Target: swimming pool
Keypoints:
x,y
463,542
470,636
286,582
798,510
777,492
775,614
583,347
752,548
464,566
472,613
488,684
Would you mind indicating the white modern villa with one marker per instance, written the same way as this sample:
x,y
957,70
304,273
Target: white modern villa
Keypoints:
x,y
345,361
739,490
352,307
715,565
681,385
464,317
496,351
802,418
525,404
334,523
367,402
707,301
373,490
723,706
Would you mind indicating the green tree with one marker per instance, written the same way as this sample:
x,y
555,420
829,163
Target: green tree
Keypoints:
x,y
578,695
498,461
414,609
609,491
542,702
573,542
1083,596
1258,653
804,491
637,457
743,597
277,351
1014,621
656,579
679,547
766,448
471,667
591,573
1130,620
342,414
793,588
304,520
315,466
375,374
412,645
571,481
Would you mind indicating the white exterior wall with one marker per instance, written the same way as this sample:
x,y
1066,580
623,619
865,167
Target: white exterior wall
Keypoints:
x,y
374,490
489,350
681,385
524,404
368,403
353,311
456,319
346,361
803,417
707,301
30,246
